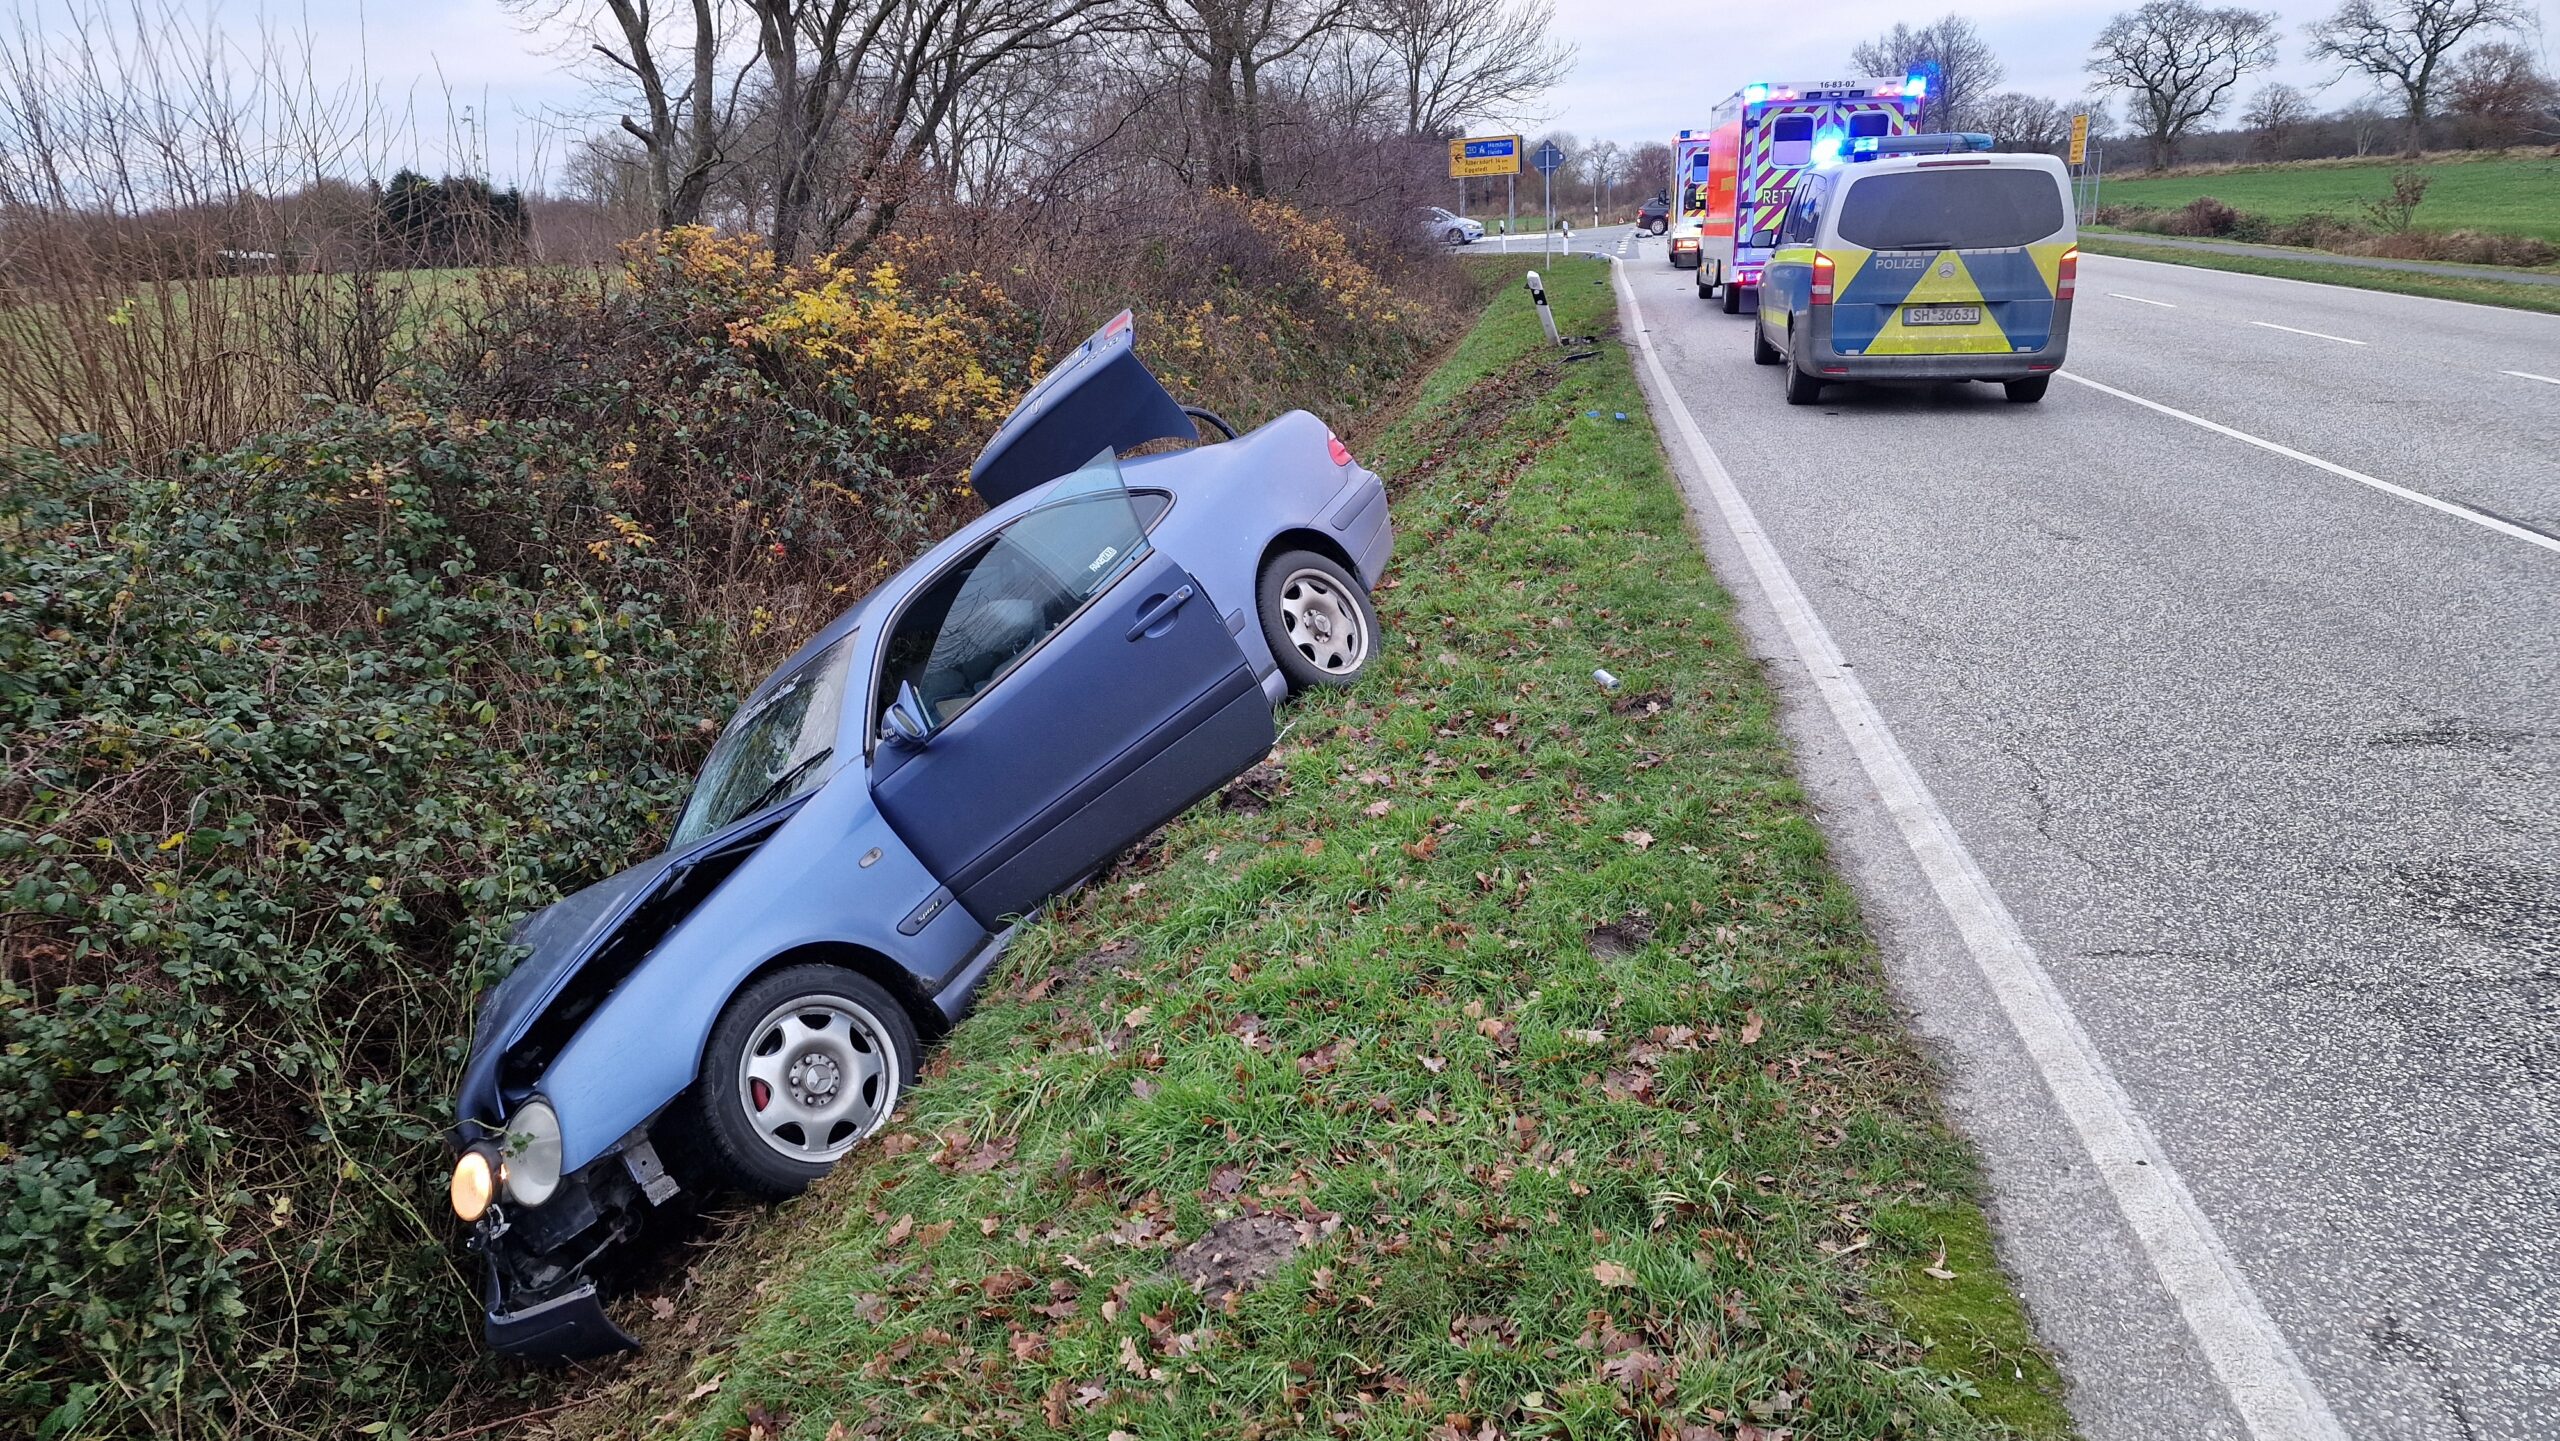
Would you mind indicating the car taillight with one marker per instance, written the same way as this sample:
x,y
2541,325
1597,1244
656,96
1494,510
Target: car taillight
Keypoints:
x,y
1824,268
1341,453
2067,279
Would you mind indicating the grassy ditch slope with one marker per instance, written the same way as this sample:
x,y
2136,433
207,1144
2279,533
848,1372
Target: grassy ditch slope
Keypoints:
x,y
1504,1059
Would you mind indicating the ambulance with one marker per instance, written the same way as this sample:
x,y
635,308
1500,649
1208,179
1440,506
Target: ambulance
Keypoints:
x,y
1691,183
1766,139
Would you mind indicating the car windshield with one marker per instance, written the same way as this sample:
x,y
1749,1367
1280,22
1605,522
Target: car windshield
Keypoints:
x,y
1956,208
773,750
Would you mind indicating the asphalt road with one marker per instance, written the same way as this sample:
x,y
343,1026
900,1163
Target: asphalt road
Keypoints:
x,y
2265,761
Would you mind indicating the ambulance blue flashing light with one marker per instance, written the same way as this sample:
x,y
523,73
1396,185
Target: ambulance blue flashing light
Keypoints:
x,y
1755,94
1916,83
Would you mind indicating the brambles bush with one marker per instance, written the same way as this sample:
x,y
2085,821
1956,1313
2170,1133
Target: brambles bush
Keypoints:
x,y
292,741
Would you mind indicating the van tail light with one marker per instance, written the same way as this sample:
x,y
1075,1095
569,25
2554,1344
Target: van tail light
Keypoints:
x,y
1824,268
1334,447
2067,279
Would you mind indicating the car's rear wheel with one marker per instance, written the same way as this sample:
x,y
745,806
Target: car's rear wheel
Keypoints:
x,y
1803,388
2027,391
1661,226
801,1067
1321,625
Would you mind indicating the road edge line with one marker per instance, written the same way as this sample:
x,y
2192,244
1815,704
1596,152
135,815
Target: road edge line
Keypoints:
x,y
2261,1377
2450,507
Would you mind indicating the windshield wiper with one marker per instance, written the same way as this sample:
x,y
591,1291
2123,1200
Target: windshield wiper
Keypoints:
x,y
781,785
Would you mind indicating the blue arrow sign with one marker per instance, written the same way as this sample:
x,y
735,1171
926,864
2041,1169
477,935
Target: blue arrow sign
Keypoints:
x,y
1549,159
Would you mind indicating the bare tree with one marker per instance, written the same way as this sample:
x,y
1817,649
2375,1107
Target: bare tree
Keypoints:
x,y
2402,43
2179,61
2365,123
2019,121
2276,113
1237,43
1467,59
1952,53
670,60
857,90
2497,95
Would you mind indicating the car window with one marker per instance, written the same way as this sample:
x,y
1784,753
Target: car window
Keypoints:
x,y
1791,140
1804,206
774,749
963,632
1951,208
1871,123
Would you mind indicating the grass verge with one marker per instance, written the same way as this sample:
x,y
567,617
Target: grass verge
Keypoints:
x,y
2513,193
2513,295
1503,1059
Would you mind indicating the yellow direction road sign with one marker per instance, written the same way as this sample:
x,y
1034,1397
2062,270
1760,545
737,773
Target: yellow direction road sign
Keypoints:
x,y
2079,139
1484,155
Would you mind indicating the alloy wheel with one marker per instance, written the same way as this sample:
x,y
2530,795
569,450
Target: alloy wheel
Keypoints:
x,y
1324,624
817,1076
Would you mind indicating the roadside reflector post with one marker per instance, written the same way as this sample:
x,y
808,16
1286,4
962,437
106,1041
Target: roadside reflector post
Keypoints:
x,y
1546,317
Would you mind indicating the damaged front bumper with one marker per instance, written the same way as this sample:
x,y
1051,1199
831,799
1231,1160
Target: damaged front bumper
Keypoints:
x,y
540,1296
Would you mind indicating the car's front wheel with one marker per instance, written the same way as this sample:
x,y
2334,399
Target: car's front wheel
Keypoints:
x,y
1319,621
804,1064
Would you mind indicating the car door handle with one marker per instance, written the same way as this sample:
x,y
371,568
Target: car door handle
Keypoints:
x,y
1158,612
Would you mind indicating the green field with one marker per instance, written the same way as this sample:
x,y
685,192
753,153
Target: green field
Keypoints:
x,y
2505,194
1504,1057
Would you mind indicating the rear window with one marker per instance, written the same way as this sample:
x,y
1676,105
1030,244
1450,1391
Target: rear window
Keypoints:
x,y
1956,208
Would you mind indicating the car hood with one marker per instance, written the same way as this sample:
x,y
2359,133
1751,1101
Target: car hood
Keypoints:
x,y
559,936
563,937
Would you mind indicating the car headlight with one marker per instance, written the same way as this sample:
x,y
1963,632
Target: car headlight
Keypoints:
x,y
531,1149
474,1184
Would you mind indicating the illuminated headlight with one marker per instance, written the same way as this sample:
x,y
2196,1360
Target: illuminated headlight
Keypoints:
x,y
531,1147
475,1183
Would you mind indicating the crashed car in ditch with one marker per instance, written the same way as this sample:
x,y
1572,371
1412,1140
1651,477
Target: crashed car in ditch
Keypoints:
x,y
1104,647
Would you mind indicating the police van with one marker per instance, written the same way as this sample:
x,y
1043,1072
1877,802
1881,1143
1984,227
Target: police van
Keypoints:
x,y
1922,258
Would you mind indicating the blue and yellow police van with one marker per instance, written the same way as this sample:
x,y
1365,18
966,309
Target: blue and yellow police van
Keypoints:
x,y
1922,258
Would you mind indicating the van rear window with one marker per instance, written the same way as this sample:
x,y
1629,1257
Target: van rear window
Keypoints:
x,y
1956,208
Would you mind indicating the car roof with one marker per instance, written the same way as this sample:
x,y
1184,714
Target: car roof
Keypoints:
x,y
1996,159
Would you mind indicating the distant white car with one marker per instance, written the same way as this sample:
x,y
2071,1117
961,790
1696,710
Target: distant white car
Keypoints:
x,y
1686,239
1450,229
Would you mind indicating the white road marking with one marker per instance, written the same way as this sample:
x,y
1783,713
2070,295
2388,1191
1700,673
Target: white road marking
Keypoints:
x,y
2453,508
2264,1381
2316,335
2138,300
2529,375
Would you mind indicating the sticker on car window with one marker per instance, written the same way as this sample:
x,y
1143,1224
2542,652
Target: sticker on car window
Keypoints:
x,y
1109,554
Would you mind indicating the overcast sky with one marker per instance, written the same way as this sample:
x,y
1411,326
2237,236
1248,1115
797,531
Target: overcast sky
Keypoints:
x,y
1646,68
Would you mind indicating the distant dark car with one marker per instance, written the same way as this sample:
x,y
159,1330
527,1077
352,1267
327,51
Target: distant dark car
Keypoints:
x,y
1105,646
1654,216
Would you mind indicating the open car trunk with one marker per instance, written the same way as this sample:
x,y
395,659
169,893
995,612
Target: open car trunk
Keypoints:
x,y
1099,397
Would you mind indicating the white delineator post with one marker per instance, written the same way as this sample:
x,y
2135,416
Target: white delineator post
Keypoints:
x,y
1546,317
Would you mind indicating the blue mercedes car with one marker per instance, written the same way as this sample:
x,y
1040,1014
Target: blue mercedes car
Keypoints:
x,y
1101,649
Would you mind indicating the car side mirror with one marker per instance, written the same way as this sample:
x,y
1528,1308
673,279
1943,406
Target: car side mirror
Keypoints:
x,y
908,722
